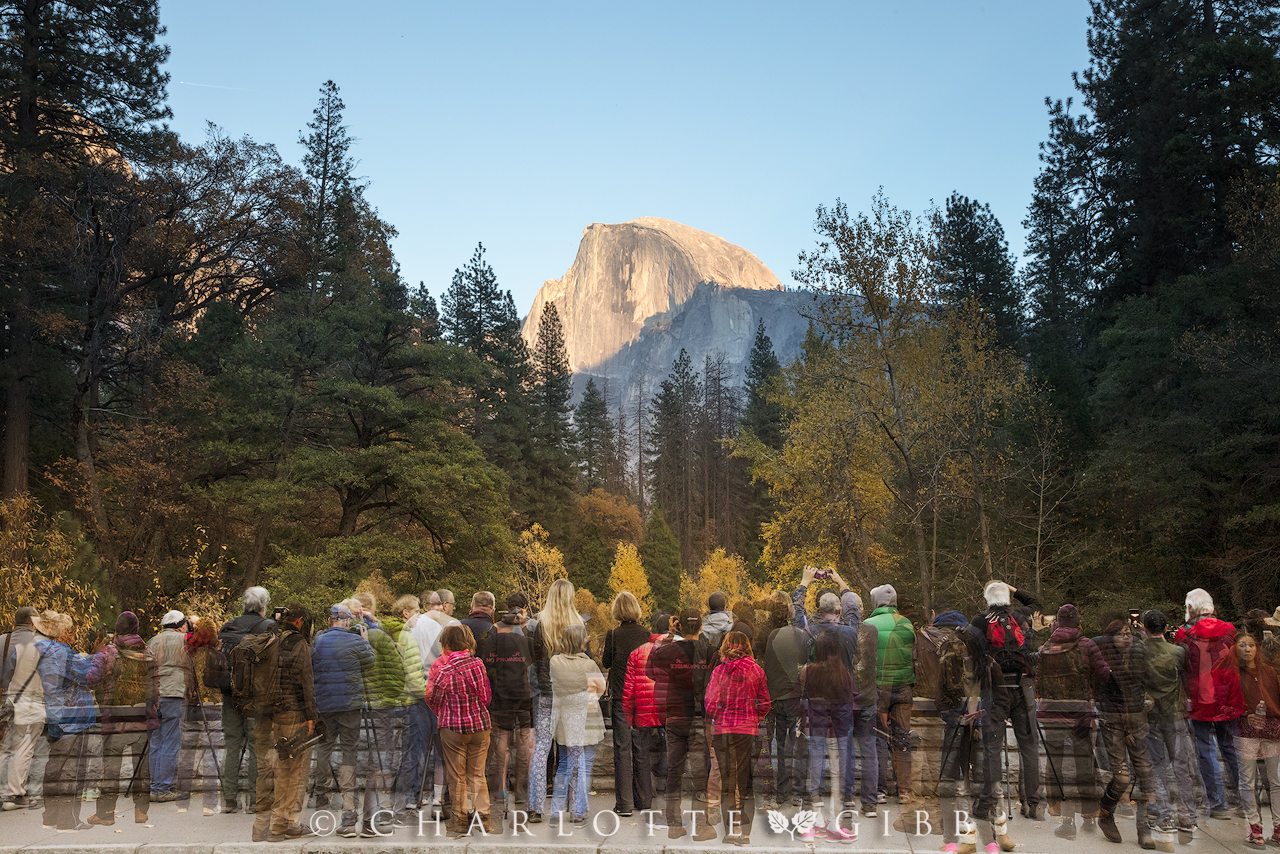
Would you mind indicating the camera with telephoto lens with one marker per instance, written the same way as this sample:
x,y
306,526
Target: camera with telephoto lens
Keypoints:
x,y
293,746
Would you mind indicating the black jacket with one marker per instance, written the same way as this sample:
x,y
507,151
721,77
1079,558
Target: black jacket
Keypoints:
x,y
619,643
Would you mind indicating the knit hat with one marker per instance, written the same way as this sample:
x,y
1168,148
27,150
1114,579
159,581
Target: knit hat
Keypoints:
x,y
172,619
127,623
1069,617
884,596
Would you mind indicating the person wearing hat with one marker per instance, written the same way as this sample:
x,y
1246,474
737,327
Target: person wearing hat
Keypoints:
x,y
895,676
1071,670
123,675
69,712
173,664
341,660
22,687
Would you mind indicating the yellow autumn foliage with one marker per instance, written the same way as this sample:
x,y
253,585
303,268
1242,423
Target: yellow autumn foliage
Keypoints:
x,y
628,574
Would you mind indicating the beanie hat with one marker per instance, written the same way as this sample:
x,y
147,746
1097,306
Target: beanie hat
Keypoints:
x,y
172,619
1069,617
127,623
883,596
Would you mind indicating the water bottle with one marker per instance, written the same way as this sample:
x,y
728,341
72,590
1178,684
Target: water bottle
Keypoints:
x,y
1261,711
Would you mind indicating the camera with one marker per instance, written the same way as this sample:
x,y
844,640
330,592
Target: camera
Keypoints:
x,y
294,745
822,575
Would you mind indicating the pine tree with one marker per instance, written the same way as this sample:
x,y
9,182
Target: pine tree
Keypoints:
x,y
660,554
673,452
762,416
974,263
594,432
552,391
80,81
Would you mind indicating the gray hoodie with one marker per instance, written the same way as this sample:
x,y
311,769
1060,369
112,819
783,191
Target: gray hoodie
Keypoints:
x,y
715,626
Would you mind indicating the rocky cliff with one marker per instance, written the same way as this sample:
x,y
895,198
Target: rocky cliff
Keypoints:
x,y
628,273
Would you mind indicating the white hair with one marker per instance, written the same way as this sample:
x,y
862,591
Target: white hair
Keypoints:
x,y
256,600
1199,604
997,594
829,603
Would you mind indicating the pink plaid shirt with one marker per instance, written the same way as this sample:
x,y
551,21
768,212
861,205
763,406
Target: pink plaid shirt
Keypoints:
x,y
737,697
459,693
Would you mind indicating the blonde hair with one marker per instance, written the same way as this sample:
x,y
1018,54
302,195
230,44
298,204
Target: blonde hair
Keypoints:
x,y
625,607
407,602
557,615
368,600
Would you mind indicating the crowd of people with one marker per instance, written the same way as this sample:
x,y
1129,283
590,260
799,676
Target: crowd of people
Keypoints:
x,y
384,716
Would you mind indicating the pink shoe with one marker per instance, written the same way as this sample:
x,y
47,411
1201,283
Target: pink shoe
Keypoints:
x,y
951,848
836,833
992,848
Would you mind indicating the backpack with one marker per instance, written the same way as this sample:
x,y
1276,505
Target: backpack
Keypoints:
x,y
1063,674
255,666
1005,640
130,673
943,667
229,638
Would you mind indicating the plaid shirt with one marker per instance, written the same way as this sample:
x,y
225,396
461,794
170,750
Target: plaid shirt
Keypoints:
x,y
737,697
459,693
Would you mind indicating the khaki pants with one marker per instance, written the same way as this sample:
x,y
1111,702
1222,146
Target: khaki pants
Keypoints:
x,y
465,754
284,792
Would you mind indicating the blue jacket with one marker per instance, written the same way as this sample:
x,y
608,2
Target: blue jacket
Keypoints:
x,y
340,661
68,705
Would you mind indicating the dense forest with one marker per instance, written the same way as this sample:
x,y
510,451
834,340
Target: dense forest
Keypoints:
x,y
215,375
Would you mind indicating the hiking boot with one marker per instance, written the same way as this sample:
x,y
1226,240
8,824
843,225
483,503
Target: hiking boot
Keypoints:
x,y
1222,814
1164,836
260,834
1145,839
676,831
704,833
231,806
139,816
1107,821
101,821
1066,830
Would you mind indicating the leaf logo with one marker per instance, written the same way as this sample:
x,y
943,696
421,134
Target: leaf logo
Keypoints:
x,y
799,823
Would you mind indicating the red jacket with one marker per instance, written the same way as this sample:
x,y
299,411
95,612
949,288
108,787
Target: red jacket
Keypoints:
x,y
1213,680
639,700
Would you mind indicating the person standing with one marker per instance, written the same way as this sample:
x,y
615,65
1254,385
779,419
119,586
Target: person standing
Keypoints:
x,y
1168,744
23,688
414,716
69,712
576,687
340,661
286,713
630,748
202,722
644,713
787,650
237,729
173,663
1259,737
506,660
458,692
737,699
480,618
125,677
545,640
1213,687
894,678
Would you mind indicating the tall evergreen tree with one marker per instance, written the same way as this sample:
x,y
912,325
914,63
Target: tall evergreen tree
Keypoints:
x,y
660,554
553,435
593,427
974,263
762,416
672,452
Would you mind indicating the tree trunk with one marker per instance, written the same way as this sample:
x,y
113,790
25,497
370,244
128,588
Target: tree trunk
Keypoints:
x,y
17,408
983,530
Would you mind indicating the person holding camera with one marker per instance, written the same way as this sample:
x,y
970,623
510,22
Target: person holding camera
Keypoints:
x,y
173,664
285,712
340,663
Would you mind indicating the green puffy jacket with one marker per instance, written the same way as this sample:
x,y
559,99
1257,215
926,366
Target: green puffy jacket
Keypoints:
x,y
415,679
897,641
384,682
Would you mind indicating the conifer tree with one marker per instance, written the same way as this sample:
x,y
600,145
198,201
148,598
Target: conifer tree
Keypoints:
x,y
974,263
594,433
660,554
552,391
762,416
673,453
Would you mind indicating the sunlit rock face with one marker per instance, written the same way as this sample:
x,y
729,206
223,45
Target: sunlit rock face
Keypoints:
x,y
625,274
638,292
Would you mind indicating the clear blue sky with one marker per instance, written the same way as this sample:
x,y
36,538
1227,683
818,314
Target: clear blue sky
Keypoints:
x,y
518,124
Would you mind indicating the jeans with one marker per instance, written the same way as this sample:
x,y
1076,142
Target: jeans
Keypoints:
x,y
166,741
201,737
237,734
896,704
864,737
1059,738
1170,750
342,729
1125,737
1248,793
790,761
575,767
686,742
828,732
1222,735
538,759
63,781
419,729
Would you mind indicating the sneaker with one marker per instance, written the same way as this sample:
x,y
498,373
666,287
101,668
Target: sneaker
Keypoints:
x,y
9,805
34,803
163,797
349,831
91,794
836,833
951,848
869,810
1221,814
1255,838
812,834
882,798
1066,830
1274,841
992,848
228,807
212,810
581,821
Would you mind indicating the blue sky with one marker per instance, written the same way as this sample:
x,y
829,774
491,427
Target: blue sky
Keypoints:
x,y
518,124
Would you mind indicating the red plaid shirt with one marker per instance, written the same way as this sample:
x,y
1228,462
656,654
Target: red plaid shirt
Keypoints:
x,y
737,697
459,693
